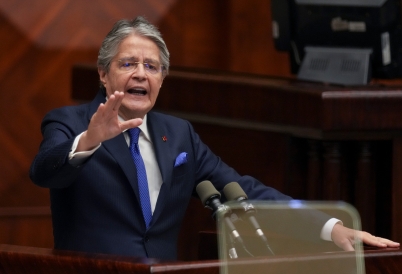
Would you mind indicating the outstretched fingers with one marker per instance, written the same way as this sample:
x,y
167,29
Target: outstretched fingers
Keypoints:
x,y
372,240
114,101
346,238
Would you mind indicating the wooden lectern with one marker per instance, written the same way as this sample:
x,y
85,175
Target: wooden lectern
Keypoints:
x,y
20,259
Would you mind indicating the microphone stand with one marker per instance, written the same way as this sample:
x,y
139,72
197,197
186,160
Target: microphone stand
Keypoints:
x,y
232,249
233,238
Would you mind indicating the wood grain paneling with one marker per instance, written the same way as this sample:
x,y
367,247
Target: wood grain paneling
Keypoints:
x,y
28,226
17,259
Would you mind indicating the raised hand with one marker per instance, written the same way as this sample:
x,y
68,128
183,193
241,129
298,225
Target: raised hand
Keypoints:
x,y
105,123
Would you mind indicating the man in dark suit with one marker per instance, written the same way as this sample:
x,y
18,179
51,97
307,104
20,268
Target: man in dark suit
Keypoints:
x,y
85,159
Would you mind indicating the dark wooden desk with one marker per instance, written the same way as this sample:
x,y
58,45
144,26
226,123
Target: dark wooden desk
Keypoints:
x,y
20,259
309,140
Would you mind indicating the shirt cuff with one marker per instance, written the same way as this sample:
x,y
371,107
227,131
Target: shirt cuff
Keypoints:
x,y
78,158
327,229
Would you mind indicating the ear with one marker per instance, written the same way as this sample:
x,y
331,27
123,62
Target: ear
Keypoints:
x,y
163,78
102,75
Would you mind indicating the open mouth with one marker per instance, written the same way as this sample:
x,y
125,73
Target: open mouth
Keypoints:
x,y
137,91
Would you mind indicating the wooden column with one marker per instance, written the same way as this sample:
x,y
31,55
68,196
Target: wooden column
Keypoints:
x,y
365,189
397,190
332,171
314,179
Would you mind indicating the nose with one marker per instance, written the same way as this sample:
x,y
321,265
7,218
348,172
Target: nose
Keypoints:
x,y
139,72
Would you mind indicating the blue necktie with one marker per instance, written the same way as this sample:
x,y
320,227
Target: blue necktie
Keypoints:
x,y
141,175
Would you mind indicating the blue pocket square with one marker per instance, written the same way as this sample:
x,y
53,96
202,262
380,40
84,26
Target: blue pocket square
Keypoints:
x,y
181,159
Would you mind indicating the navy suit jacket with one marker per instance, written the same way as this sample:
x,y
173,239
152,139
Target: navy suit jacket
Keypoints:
x,y
95,206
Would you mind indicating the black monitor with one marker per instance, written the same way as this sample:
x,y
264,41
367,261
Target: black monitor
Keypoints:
x,y
373,25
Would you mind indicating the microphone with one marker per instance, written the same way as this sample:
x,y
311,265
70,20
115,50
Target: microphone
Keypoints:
x,y
234,192
210,198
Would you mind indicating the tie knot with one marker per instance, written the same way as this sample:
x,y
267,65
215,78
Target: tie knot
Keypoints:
x,y
134,134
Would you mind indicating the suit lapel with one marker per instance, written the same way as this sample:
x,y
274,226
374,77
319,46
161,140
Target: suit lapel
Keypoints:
x,y
118,148
164,157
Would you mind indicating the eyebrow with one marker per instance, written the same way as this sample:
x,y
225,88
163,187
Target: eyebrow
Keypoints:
x,y
134,59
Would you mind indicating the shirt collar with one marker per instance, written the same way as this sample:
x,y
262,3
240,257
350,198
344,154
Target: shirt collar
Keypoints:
x,y
143,127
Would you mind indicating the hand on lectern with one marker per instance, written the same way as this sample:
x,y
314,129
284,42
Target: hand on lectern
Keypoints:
x,y
345,238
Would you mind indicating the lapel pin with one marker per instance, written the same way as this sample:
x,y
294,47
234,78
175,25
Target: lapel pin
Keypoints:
x,y
164,138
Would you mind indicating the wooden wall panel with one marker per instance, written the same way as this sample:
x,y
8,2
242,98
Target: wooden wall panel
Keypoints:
x,y
232,35
251,47
29,226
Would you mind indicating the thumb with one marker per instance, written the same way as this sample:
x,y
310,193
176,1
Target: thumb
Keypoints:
x,y
343,237
346,245
132,123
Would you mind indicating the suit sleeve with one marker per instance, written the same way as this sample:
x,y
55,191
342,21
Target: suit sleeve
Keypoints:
x,y
212,168
51,167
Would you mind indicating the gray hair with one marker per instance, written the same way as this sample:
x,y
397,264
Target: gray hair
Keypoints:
x,y
124,28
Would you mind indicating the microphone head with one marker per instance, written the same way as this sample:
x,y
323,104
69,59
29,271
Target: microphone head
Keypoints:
x,y
206,190
234,192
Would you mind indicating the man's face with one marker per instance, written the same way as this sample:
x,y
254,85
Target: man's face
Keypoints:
x,y
140,85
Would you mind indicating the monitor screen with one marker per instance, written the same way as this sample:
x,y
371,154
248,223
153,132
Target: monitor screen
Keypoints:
x,y
362,24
